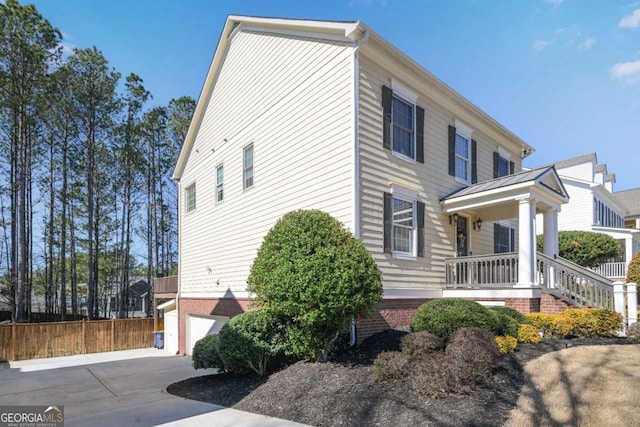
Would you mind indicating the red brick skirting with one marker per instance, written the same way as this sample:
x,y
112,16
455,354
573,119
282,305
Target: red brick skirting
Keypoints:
x,y
552,305
390,313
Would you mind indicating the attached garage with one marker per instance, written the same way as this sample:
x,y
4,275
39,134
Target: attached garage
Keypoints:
x,y
199,326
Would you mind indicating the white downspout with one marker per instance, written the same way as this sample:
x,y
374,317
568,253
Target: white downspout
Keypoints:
x,y
356,153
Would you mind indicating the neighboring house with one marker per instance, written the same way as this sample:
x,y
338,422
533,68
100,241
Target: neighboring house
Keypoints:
x,y
138,301
595,207
300,114
631,200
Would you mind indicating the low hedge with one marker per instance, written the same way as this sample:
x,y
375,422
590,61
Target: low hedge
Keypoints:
x,y
578,322
442,317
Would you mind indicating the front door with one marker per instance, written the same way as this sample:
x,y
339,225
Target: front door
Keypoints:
x,y
462,236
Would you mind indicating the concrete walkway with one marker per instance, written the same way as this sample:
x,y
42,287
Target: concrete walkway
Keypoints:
x,y
122,388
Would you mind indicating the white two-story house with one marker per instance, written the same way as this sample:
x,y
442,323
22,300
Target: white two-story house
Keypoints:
x,y
302,114
595,207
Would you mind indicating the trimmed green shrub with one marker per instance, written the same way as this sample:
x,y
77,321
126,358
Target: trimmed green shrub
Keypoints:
x,y
391,365
205,354
442,317
506,325
585,248
513,313
420,345
249,341
314,275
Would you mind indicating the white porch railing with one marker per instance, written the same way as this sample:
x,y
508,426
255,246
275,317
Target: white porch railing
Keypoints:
x,y
576,284
612,269
496,270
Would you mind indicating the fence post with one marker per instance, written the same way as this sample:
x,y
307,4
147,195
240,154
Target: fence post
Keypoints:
x,y
632,303
12,346
619,305
113,335
84,337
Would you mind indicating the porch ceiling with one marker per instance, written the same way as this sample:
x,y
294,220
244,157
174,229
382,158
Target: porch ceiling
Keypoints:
x,y
498,198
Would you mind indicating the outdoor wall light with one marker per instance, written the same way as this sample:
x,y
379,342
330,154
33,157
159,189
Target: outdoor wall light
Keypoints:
x,y
477,225
453,219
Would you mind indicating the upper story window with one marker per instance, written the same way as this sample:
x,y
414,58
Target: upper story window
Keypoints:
x,y
502,164
247,167
403,128
403,123
190,197
604,216
462,154
463,158
220,183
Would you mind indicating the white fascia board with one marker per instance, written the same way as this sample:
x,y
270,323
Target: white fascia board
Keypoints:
x,y
492,293
411,293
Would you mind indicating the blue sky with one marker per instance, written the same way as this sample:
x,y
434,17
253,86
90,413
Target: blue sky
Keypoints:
x,y
564,75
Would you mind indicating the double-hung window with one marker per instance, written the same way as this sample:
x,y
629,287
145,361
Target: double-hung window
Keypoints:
x,y
463,158
403,133
190,197
247,167
503,167
220,183
504,239
404,226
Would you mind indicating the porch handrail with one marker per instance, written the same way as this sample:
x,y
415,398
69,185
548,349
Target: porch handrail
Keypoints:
x,y
580,285
499,270
612,269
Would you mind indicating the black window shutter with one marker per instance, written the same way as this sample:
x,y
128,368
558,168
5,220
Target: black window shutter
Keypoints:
x,y
496,162
512,243
496,238
421,229
512,168
387,95
419,134
474,162
388,222
452,150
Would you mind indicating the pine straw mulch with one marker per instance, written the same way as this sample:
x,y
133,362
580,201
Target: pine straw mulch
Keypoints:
x,y
342,392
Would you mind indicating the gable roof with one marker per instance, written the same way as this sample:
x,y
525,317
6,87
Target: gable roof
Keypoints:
x,y
630,199
350,32
578,160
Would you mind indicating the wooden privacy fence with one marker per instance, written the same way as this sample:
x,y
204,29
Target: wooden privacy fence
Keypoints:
x,y
21,341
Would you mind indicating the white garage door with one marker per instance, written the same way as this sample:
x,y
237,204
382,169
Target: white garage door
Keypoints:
x,y
199,326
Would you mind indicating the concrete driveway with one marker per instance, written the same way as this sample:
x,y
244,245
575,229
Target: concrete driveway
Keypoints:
x,y
125,388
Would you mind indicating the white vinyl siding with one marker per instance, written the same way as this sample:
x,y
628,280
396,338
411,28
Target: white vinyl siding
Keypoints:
x,y
381,169
292,98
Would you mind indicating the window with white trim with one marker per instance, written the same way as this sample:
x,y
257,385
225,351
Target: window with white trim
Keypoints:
x,y
504,239
247,167
404,226
403,130
220,183
190,197
463,157
503,166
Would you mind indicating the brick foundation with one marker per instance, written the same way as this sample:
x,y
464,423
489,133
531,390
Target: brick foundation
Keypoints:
x,y
551,304
523,305
228,307
390,313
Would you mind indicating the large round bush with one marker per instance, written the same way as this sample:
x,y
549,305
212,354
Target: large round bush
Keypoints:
x,y
585,248
314,275
444,316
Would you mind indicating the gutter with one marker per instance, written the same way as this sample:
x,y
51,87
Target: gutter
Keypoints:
x,y
356,153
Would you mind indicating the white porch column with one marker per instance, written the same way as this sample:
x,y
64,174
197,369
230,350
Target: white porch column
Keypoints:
x,y
526,243
628,252
632,305
550,220
619,303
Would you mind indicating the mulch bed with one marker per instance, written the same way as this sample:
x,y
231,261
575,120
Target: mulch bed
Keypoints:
x,y
342,392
